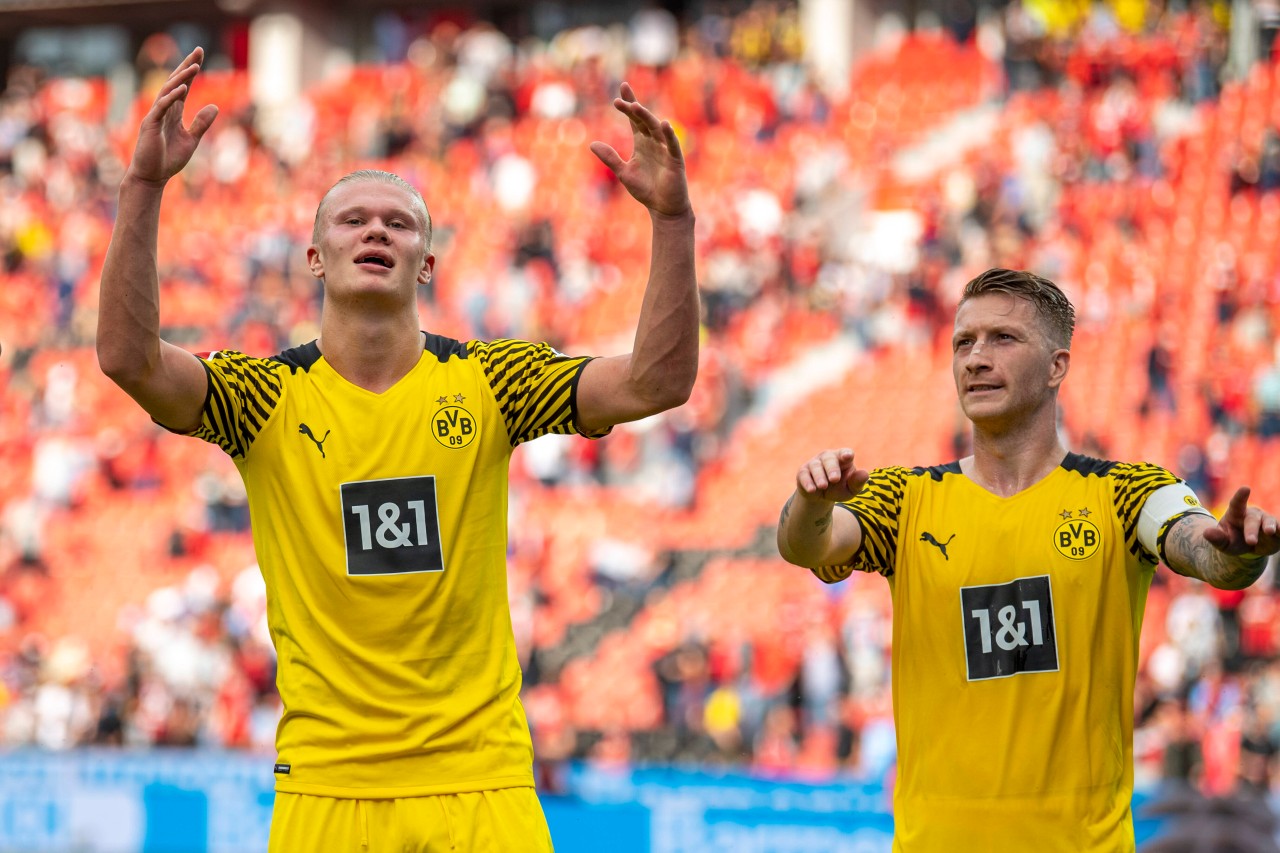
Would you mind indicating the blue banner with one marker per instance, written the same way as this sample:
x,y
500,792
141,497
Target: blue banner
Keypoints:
x,y
101,801
126,802
667,810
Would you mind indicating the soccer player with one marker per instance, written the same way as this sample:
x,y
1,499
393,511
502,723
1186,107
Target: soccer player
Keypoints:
x,y
1018,577
375,460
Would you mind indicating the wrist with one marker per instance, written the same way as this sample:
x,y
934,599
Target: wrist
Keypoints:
x,y
815,503
133,181
1241,572
684,218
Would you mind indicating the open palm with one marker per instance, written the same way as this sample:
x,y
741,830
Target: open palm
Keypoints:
x,y
655,174
164,145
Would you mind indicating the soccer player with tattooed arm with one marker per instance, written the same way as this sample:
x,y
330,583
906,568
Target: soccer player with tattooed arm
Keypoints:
x,y
1018,577
375,460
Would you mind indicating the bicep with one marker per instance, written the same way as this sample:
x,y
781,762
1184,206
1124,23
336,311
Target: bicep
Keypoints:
x,y
606,395
174,392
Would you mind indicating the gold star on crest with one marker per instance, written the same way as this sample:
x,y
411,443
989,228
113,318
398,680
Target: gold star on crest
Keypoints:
x,y
442,400
1066,513
458,398
1084,513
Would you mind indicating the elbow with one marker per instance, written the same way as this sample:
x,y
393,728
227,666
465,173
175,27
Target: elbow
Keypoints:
x,y
784,551
121,369
677,394
828,573
666,394
676,387
792,556
110,363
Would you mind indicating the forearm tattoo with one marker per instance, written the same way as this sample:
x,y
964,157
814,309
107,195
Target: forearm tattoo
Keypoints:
x,y
1186,545
822,523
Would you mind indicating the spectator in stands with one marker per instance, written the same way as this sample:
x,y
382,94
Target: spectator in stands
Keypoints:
x,y
684,679
1197,824
1183,758
1194,627
1159,396
1258,752
1266,397
821,677
329,438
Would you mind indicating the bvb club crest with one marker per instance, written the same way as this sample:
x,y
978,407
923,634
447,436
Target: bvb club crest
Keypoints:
x,y
452,425
1077,538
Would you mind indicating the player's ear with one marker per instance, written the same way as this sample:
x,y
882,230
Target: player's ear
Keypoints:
x,y
1059,364
428,264
314,263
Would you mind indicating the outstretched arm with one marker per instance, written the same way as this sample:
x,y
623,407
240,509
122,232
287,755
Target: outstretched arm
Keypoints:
x,y
168,382
658,373
810,532
1228,554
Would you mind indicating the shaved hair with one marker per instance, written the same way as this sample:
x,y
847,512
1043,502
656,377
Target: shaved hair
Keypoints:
x,y
378,177
1053,308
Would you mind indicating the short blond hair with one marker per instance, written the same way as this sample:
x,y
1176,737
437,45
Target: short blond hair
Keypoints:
x,y
1056,313
379,177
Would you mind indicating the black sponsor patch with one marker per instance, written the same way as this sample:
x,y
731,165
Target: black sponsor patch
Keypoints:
x,y
283,769
1009,628
392,526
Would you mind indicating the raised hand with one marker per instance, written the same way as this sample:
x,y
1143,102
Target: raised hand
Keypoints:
x,y
655,174
1244,530
831,476
164,145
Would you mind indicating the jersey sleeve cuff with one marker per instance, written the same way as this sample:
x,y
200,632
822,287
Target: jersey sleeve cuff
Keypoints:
x,y
573,405
208,392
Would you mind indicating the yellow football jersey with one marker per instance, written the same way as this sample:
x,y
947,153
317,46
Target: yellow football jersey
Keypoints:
x,y
1015,643
380,525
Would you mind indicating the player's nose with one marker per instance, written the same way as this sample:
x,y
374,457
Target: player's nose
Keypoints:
x,y
377,231
977,357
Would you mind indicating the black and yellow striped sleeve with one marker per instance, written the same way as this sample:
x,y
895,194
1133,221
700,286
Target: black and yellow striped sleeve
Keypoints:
x,y
536,387
832,574
877,508
1134,483
243,392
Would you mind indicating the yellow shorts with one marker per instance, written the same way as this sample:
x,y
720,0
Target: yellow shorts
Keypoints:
x,y
508,819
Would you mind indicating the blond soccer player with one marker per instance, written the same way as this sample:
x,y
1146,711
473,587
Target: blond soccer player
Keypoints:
x,y
375,460
1018,577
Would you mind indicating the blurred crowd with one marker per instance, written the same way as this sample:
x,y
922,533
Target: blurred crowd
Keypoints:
x,y
825,216
197,669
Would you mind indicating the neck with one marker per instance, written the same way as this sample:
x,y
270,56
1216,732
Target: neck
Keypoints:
x,y
1006,462
372,351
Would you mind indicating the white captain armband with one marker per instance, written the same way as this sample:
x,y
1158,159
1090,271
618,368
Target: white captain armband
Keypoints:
x,y
1164,506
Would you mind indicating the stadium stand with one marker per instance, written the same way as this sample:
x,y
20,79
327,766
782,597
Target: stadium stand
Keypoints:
x,y
835,233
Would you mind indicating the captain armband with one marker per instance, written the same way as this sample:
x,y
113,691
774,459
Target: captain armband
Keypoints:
x,y
1162,508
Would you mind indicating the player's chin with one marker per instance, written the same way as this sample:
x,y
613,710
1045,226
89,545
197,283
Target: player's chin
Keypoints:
x,y
987,414
979,407
373,291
